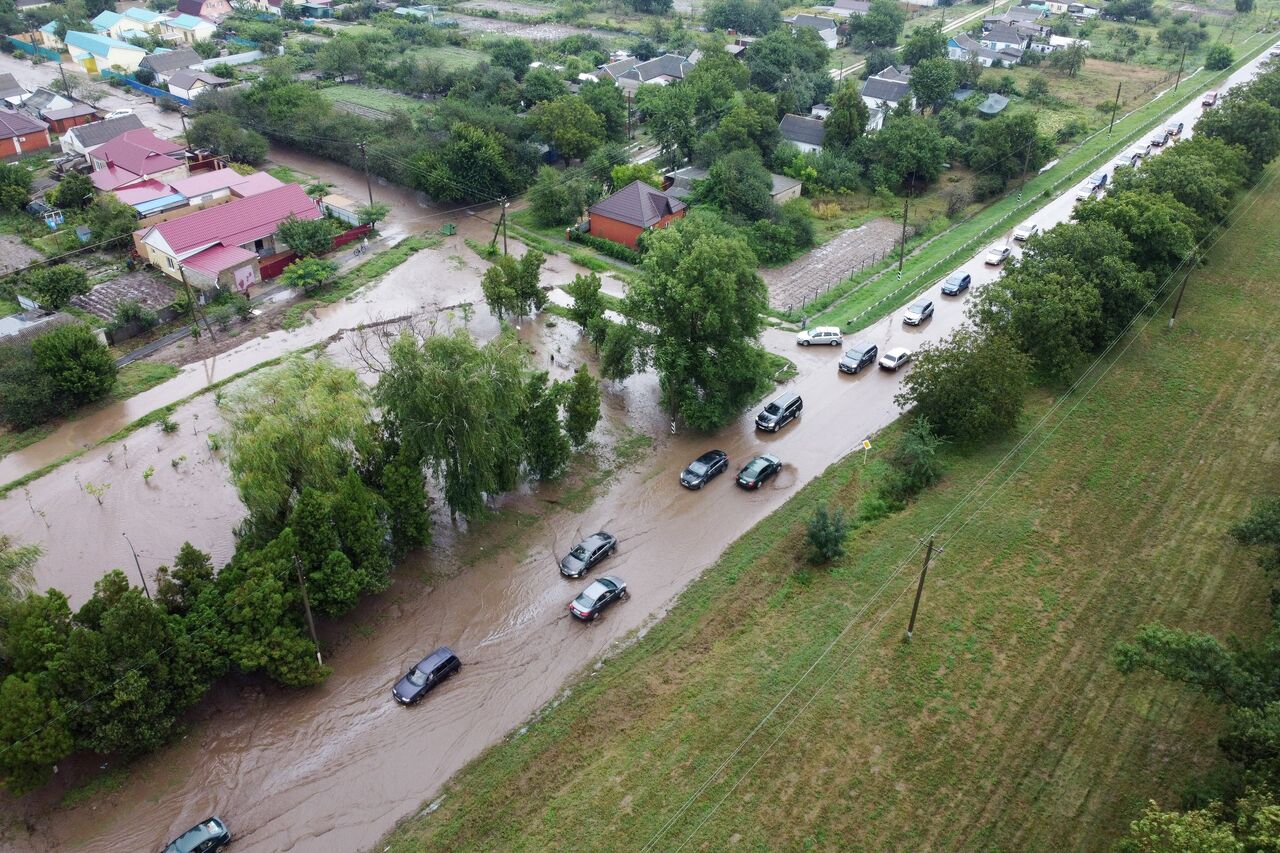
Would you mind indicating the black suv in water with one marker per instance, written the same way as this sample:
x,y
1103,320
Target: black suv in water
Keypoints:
x,y
780,412
426,675
860,356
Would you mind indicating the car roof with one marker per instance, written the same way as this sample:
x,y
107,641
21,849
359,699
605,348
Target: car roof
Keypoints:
x,y
817,329
919,303
710,455
436,658
786,398
898,352
959,275
861,347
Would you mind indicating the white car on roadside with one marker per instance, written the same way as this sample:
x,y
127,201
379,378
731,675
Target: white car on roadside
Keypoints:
x,y
829,335
997,255
895,358
1025,231
119,114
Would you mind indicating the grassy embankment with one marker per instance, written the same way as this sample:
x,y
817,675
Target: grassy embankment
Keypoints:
x,y
1003,725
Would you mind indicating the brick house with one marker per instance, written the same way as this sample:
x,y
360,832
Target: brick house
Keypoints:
x,y
60,121
631,211
20,134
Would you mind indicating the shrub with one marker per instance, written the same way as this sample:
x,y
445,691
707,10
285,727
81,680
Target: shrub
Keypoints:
x,y
130,311
915,462
826,533
614,250
826,210
76,364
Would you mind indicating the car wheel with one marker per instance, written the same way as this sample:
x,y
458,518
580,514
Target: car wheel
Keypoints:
x,y
625,594
804,343
836,343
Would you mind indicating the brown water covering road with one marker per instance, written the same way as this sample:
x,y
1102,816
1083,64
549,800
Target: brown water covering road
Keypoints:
x,y
333,768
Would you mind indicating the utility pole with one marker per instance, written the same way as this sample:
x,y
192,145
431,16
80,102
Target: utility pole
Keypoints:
x,y
306,608
1181,62
182,116
364,155
196,313
141,576
1181,290
630,134
505,205
928,555
1115,106
902,254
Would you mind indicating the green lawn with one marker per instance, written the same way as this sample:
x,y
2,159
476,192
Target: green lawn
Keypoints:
x,y
450,57
378,99
1003,725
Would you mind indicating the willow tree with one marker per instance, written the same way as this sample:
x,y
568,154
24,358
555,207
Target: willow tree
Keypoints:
x,y
302,424
459,407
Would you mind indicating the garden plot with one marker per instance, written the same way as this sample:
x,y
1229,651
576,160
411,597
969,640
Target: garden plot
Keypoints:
x,y
815,272
504,6
533,32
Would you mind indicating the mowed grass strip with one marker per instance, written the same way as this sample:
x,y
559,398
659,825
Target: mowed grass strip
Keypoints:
x,y
1003,725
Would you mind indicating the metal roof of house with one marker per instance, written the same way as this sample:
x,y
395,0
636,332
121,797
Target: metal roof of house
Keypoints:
x,y
638,204
97,133
781,183
112,177
219,179
812,22
809,131
856,7
891,91
1004,35
16,124
42,99
73,111
215,259
146,16
188,22
668,65
106,19
186,78
98,45
10,87
141,152
237,222
162,62
897,73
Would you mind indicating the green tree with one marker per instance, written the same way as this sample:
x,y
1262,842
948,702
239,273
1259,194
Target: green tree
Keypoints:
x,y
1218,57
308,274
933,81
111,220
910,150
582,406
54,286
1009,146
360,519
178,588
1159,227
740,185
1252,124
458,407
546,446
588,307
372,213
1070,59
606,100
670,116
513,54
307,237
1260,527
625,174
542,84
474,164
771,59
569,126
1199,831
620,355
15,186
826,533
404,490
76,363
294,426
344,55
560,198
848,119
700,293
924,43
915,462
499,286
1244,6
16,563
222,134
73,192
33,733
749,17
1195,659
969,386
880,26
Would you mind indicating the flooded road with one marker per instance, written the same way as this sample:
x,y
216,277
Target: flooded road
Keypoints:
x,y
334,767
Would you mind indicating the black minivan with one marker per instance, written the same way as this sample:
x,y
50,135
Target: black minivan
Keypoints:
x,y
780,412
427,674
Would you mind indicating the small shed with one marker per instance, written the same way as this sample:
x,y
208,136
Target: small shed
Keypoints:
x,y
340,207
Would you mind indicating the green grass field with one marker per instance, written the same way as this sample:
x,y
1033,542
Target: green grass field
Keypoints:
x,y
450,57
1003,725
378,99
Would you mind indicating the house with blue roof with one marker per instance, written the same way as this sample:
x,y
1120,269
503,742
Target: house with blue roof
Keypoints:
x,y
96,53
128,24
47,36
187,29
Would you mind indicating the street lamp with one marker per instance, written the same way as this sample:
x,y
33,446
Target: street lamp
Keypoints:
x,y
141,576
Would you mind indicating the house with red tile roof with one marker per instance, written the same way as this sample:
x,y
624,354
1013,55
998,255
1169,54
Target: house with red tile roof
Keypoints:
x,y
134,156
633,210
20,134
221,246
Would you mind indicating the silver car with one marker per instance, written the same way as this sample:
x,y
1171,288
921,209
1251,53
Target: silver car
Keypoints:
x,y
918,312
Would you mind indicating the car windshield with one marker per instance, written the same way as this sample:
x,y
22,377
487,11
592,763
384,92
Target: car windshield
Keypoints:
x,y
917,307
755,467
855,353
955,279
579,552
417,677
772,409
590,594
190,839
697,467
